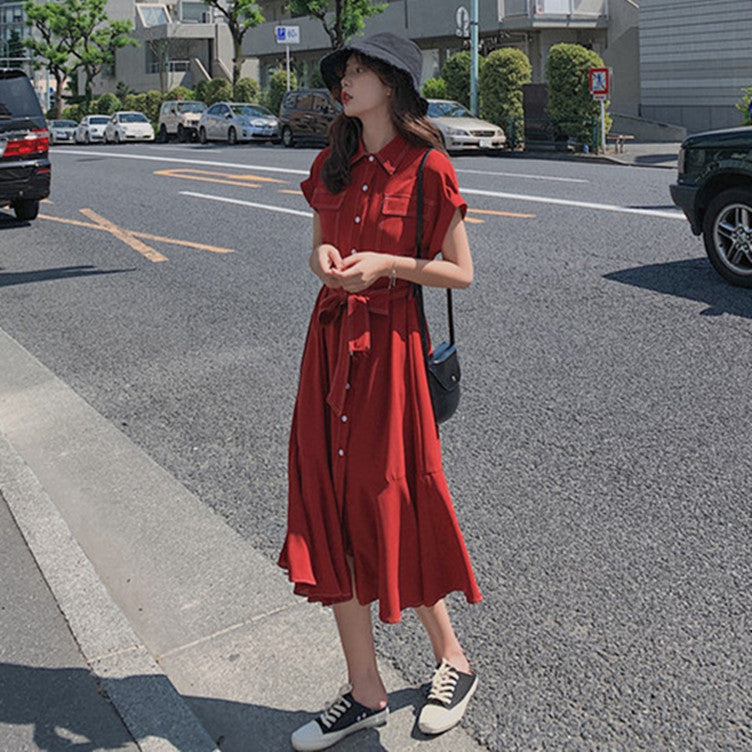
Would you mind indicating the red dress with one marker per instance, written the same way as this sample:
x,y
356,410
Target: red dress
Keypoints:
x,y
365,473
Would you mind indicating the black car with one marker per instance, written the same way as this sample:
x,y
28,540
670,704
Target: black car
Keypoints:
x,y
305,114
714,188
24,146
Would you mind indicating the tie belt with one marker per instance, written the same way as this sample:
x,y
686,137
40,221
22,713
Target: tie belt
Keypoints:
x,y
355,335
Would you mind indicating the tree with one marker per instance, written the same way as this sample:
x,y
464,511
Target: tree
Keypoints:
x,y
347,19
245,90
51,47
240,15
456,74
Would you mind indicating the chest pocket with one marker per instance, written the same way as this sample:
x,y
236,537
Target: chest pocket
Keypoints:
x,y
397,224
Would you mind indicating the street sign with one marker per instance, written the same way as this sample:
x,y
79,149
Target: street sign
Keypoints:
x,y
463,22
600,82
287,34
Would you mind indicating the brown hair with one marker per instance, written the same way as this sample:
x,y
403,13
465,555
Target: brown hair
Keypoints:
x,y
408,113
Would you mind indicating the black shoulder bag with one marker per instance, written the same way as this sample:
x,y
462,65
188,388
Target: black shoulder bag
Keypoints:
x,y
442,365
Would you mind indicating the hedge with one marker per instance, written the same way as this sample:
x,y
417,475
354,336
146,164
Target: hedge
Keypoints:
x,y
500,89
456,74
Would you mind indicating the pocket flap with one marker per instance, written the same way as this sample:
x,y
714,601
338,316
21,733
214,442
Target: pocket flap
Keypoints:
x,y
396,205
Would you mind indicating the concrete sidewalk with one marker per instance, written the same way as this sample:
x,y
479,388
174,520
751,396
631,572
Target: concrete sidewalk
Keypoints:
x,y
193,636
635,154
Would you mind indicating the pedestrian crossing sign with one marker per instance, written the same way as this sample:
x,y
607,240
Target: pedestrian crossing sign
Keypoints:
x,y
600,82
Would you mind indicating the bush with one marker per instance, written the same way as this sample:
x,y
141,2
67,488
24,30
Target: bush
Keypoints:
x,y
456,74
570,105
136,102
278,89
179,92
743,106
217,90
107,104
500,90
435,88
152,103
317,80
74,112
245,90
200,91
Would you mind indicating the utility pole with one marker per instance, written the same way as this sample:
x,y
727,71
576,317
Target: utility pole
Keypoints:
x,y
474,57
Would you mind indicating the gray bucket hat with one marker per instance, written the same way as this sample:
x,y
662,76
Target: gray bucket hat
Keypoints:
x,y
399,52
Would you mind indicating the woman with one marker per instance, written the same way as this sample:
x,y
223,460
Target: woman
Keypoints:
x,y
369,514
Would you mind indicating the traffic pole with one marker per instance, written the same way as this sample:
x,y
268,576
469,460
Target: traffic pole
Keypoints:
x,y
287,50
603,125
474,57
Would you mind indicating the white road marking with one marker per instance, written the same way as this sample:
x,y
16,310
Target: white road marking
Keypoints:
x,y
253,205
579,204
526,177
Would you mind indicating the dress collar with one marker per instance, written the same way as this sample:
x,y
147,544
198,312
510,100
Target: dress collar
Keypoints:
x,y
389,157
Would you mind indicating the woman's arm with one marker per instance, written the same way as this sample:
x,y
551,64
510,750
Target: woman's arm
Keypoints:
x,y
454,269
324,258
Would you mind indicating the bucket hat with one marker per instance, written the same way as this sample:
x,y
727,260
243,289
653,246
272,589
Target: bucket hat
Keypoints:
x,y
398,52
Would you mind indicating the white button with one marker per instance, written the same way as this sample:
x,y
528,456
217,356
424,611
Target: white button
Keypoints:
x,y
341,453
344,418
353,251
347,386
370,159
357,220
365,188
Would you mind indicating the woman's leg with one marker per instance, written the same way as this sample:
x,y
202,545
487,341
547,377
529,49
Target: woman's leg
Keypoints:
x,y
356,636
443,640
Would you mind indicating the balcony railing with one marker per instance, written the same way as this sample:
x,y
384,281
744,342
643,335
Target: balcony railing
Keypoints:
x,y
544,9
171,66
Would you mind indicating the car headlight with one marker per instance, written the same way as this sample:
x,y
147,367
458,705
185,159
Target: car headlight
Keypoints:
x,y
682,160
457,132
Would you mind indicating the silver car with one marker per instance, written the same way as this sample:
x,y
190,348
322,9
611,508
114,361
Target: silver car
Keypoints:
x,y
91,129
461,130
61,131
238,121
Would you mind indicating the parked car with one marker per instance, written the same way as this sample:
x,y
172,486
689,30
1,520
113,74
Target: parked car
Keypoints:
x,y
128,126
461,130
91,129
238,121
714,189
62,131
179,118
305,114
24,143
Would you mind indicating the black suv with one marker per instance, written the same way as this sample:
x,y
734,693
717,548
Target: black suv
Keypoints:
x,y
305,114
24,145
714,189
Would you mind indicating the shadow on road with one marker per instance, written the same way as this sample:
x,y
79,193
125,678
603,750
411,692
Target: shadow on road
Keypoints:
x,y
693,279
62,272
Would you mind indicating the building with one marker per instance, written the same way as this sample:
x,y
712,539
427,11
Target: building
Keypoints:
x,y
694,61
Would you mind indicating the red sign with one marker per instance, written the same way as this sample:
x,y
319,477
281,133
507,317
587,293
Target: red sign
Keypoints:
x,y
600,82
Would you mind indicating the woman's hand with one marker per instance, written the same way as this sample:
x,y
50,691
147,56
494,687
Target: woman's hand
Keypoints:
x,y
360,270
325,261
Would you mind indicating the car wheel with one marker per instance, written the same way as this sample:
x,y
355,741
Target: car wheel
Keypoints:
x,y
181,134
26,209
202,135
727,232
287,138
87,140
232,137
117,137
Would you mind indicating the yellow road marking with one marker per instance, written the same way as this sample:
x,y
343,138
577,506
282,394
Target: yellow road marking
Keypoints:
x,y
502,213
146,251
290,191
472,221
144,235
207,176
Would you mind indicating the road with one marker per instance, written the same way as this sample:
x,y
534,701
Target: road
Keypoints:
x,y
599,462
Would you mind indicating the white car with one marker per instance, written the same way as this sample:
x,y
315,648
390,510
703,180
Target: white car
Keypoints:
x,y
91,129
128,126
461,130
61,131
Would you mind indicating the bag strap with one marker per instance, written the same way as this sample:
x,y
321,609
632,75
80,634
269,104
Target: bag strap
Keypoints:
x,y
418,289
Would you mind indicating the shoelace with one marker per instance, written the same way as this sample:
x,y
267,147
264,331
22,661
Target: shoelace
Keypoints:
x,y
444,682
337,707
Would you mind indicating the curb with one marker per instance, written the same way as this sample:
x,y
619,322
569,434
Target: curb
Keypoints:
x,y
158,719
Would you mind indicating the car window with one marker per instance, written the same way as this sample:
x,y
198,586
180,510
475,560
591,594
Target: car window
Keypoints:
x,y
447,109
251,110
17,98
191,107
133,117
319,104
62,124
304,102
98,120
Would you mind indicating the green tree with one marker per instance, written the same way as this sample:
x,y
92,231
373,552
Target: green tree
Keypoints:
x,y
107,104
500,84
435,88
743,106
16,48
278,88
217,90
245,90
51,45
180,92
456,74
240,15
347,19
571,107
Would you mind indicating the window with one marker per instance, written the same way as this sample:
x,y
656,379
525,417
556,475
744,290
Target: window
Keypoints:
x,y
153,15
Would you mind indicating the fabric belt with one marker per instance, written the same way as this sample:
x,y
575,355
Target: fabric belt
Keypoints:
x,y
355,334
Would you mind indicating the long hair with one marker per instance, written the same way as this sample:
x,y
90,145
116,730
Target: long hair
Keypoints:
x,y
408,116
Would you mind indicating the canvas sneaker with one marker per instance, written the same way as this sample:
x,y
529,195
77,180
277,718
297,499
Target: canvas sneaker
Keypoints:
x,y
448,697
342,717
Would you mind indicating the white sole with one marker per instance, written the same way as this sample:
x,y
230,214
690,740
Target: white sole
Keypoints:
x,y
453,716
312,745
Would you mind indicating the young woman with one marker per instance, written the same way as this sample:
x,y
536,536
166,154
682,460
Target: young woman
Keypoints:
x,y
369,515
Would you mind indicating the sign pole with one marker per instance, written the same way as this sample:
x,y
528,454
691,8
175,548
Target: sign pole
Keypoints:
x,y
474,57
603,125
287,49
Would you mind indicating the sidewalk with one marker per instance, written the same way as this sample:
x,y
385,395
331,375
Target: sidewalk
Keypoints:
x,y
635,154
194,636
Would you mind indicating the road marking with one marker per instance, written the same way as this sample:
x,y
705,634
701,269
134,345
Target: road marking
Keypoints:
x,y
247,203
144,235
578,204
146,251
290,191
526,177
245,181
473,221
502,213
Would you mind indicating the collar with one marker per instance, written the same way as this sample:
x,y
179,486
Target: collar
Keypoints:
x,y
389,157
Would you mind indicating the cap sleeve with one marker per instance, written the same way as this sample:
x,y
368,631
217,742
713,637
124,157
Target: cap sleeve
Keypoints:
x,y
308,186
442,189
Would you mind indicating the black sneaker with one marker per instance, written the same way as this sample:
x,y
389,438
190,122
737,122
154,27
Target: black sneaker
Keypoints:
x,y
342,717
448,697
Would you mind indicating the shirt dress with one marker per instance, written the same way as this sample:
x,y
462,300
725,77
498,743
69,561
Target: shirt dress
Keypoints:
x,y
365,473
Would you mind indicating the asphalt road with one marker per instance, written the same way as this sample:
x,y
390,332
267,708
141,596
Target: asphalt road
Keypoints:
x,y
600,460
